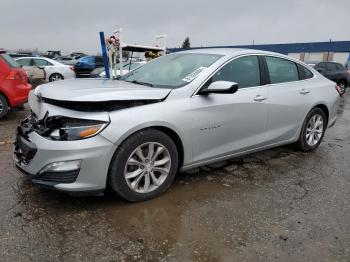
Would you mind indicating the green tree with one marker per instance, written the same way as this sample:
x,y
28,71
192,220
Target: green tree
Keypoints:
x,y
186,44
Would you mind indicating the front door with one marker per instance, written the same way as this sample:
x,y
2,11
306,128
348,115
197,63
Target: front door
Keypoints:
x,y
226,124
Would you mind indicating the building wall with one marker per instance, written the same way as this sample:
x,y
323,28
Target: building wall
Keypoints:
x,y
340,57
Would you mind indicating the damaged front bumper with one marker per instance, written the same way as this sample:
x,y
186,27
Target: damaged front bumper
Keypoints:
x,y
33,153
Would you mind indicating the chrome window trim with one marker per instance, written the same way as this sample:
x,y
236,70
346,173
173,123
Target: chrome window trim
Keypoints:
x,y
195,93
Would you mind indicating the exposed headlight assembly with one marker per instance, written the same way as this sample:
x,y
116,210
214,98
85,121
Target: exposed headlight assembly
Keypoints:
x,y
76,133
68,129
77,129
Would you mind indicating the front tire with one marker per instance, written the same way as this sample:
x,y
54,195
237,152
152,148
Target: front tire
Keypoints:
x,y
313,130
4,106
144,166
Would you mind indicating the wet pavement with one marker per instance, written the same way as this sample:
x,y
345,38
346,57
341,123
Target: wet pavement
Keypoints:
x,y
276,205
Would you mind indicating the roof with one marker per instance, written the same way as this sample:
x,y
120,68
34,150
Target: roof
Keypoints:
x,y
337,46
142,48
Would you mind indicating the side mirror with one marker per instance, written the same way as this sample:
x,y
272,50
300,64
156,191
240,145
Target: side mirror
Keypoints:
x,y
220,87
320,70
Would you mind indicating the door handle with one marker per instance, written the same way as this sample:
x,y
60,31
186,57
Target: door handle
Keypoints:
x,y
260,98
304,91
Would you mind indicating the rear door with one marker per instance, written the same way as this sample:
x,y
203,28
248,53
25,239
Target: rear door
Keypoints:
x,y
290,95
225,124
27,66
48,67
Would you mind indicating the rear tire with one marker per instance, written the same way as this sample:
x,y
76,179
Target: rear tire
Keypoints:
x,y
313,130
138,171
343,85
4,106
55,77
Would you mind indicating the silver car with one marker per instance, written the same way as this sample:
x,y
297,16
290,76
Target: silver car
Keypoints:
x,y
177,112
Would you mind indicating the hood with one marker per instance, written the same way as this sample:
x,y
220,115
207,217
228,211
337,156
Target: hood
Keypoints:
x,y
99,90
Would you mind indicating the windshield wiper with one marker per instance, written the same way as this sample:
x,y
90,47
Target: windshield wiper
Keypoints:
x,y
141,83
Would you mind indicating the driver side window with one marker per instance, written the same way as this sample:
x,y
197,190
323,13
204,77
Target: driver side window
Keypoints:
x,y
244,71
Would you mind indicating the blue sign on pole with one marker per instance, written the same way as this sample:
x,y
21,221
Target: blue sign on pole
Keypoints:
x,y
104,54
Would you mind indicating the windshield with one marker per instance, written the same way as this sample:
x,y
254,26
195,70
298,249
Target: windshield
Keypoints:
x,y
171,71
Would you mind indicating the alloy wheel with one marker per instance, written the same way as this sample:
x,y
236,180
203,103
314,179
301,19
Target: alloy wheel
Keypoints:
x,y
147,167
1,106
342,87
314,130
56,77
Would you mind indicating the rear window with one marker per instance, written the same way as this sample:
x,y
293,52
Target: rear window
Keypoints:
x,y
87,59
340,67
304,73
9,60
332,67
281,70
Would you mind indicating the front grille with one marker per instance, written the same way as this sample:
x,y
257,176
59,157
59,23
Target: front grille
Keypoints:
x,y
58,177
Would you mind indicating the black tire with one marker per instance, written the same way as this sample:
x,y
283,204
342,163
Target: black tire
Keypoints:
x,y
4,106
55,77
116,177
302,143
343,85
21,107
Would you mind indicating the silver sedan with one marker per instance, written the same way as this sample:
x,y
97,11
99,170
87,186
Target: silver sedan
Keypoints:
x,y
177,112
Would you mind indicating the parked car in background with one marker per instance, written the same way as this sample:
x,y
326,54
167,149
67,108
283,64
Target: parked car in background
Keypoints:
x,y
87,64
347,65
177,112
77,55
54,70
21,54
333,71
52,54
127,67
66,60
14,86
35,73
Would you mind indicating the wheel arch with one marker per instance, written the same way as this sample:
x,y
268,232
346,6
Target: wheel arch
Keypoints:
x,y
346,81
174,136
176,139
7,99
325,109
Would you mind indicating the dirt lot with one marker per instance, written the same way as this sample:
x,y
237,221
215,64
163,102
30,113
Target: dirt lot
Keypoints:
x,y
277,205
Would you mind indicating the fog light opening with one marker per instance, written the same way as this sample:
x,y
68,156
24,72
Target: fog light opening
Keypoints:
x,y
62,166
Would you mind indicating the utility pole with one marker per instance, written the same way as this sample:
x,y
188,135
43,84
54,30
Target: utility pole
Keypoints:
x,y
164,36
329,48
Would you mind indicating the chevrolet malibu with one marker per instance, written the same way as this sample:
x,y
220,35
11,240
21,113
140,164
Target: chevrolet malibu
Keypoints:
x,y
177,112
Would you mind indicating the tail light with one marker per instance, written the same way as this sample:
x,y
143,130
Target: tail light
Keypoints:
x,y
337,87
71,68
13,75
17,75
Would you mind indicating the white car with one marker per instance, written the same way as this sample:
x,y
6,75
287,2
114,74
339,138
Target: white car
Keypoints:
x,y
54,70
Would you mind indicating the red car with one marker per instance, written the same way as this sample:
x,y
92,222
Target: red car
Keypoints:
x,y
14,85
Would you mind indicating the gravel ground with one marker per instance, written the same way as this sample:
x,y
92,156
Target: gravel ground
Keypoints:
x,y
276,205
